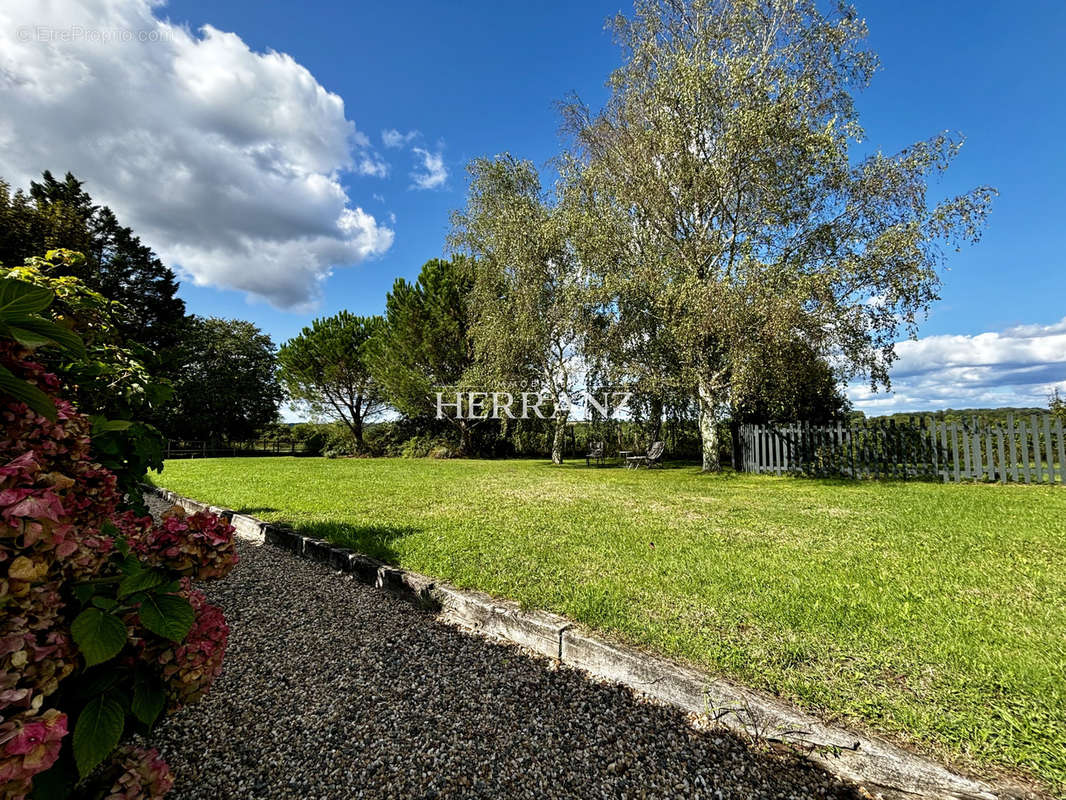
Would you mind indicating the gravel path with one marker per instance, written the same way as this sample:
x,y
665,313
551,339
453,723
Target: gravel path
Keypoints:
x,y
333,689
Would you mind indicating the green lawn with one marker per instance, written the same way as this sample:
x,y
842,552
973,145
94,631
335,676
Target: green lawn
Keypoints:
x,y
937,613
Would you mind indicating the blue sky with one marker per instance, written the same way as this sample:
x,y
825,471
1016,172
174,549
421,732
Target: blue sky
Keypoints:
x,y
480,78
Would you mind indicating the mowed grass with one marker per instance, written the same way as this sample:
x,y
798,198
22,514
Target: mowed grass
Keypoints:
x,y
934,613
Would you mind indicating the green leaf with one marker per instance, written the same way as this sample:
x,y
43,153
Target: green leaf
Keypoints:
x,y
36,332
141,581
99,635
18,297
106,603
149,697
38,401
167,615
103,425
97,731
131,565
83,592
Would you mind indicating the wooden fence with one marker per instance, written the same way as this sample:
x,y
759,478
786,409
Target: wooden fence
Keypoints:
x,y
261,447
1025,450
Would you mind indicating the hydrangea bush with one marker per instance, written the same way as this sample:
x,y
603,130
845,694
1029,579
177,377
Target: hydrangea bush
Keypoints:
x,y
101,629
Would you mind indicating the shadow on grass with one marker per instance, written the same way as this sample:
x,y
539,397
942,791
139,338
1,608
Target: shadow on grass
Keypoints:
x,y
253,510
375,541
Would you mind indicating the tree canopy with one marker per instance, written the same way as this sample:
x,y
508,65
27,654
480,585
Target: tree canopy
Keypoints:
x,y
60,213
227,389
327,369
720,186
527,295
425,345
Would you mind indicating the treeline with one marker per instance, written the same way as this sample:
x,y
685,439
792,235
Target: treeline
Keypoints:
x,y
353,370
150,370
370,382
984,416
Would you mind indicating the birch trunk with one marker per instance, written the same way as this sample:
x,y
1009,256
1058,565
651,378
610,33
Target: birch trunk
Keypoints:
x,y
558,439
709,427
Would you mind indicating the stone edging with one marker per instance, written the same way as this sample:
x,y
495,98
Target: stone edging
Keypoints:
x,y
881,767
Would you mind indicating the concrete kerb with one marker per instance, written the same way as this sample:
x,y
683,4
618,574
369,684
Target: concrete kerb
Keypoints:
x,y
887,770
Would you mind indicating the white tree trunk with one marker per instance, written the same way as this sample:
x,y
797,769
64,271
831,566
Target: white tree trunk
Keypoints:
x,y
558,439
709,427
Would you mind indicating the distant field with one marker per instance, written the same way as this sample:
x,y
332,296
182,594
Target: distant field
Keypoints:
x,y
936,613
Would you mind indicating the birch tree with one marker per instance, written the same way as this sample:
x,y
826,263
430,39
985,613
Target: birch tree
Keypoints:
x,y
722,182
526,300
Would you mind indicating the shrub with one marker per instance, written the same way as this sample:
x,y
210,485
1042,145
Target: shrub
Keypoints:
x,y
339,442
101,628
426,446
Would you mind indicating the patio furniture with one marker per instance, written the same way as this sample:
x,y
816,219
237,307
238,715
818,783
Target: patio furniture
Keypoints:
x,y
596,453
653,457
623,456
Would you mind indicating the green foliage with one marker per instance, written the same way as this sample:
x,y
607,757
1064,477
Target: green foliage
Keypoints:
x,y
166,615
797,386
98,634
129,449
718,192
422,446
97,731
1057,404
984,416
106,378
116,264
21,304
149,697
528,294
227,388
425,345
326,368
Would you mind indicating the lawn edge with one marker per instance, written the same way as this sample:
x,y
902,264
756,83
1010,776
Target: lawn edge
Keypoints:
x,y
881,767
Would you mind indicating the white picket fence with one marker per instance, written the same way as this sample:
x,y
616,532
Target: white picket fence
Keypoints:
x,y
1025,450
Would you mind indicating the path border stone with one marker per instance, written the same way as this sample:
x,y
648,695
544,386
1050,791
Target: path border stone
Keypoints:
x,y
883,769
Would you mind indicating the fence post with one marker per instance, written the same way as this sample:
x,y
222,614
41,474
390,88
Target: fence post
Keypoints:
x,y
1002,454
1023,443
1048,451
1038,459
1011,448
1062,452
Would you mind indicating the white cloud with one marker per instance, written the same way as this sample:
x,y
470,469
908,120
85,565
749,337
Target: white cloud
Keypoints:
x,y
1017,366
226,161
432,173
373,165
394,139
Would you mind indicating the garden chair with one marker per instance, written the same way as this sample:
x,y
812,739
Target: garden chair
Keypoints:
x,y
596,453
652,458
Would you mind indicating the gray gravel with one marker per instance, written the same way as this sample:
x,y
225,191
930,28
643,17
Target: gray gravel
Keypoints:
x,y
333,689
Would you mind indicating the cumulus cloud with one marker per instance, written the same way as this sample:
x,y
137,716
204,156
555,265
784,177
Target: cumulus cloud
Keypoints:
x,y
1017,366
227,161
394,139
432,173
